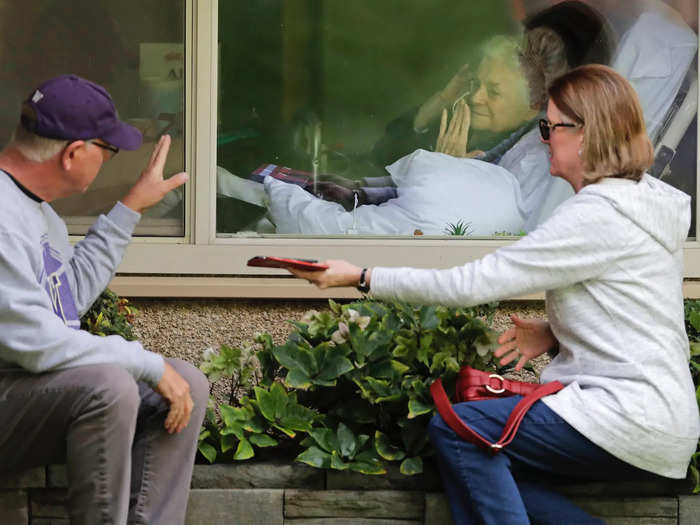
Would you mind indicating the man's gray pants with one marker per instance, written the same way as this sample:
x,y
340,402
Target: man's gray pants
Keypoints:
x,y
123,467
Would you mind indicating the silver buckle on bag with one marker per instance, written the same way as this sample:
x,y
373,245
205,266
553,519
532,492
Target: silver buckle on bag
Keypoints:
x,y
496,390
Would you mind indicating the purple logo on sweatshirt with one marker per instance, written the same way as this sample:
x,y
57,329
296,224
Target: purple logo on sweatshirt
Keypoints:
x,y
57,286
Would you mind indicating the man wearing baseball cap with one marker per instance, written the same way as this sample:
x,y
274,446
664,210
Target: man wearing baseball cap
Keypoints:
x,y
124,420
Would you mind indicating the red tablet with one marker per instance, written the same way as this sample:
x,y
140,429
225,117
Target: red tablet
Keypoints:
x,y
281,262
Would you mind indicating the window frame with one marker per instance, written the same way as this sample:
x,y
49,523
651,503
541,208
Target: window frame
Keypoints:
x,y
200,264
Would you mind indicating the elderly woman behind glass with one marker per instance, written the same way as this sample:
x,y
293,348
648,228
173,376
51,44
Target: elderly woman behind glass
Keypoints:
x,y
564,36
610,260
504,96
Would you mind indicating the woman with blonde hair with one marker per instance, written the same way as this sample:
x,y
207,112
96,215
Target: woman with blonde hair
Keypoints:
x,y
610,260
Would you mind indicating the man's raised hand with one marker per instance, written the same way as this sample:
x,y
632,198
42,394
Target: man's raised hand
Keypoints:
x,y
151,186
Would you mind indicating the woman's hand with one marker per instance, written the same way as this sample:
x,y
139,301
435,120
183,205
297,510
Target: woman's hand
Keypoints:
x,y
527,339
453,139
339,273
459,85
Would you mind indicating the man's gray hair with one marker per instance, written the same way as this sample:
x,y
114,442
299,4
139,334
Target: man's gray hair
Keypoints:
x,y
34,147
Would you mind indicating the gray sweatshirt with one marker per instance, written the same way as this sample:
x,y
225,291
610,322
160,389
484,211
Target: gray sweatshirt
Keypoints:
x,y
611,261
46,285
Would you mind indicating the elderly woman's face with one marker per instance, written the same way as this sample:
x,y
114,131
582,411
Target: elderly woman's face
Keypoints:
x,y
501,102
565,147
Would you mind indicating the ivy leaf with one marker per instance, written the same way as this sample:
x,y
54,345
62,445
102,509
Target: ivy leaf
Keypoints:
x,y
694,319
426,342
417,408
315,457
325,438
346,440
298,417
228,441
411,466
486,343
695,475
370,468
334,366
271,403
385,449
292,355
234,429
208,451
428,318
337,463
297,379
244,450
695,349
262,440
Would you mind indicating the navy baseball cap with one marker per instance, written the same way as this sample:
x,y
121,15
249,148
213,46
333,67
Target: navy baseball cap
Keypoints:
x,y
71,108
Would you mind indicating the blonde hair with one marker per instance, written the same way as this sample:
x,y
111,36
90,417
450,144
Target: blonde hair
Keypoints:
x,y
615,142
543,58
34,147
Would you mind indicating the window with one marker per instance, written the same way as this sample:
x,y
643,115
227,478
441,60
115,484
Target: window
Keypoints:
x,y
136,50
327,102
331,88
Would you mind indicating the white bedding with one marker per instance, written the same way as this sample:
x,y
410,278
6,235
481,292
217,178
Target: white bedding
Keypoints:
x,y
434,191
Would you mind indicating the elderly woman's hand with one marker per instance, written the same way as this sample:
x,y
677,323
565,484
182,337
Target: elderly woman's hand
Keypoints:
x,y
458,86
339,273
453,139
527,339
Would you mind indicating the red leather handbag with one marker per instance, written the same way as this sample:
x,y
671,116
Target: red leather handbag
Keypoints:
x,y
475,385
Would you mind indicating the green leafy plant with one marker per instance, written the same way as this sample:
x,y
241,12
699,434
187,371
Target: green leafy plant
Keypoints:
x,y
350,388
110,315
341,449
459,228
692,326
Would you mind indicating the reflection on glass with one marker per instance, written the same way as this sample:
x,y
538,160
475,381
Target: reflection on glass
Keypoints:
x,y
330,123
134,49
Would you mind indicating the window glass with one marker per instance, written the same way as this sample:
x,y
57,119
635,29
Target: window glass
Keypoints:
x,y
329,111
133,48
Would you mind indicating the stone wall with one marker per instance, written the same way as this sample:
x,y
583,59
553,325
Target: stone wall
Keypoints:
x,y
253,493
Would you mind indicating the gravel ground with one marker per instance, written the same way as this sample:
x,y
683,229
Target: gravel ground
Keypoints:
x,y
184,328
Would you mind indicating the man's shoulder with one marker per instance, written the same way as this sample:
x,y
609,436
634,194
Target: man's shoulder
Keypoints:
x,y
18,215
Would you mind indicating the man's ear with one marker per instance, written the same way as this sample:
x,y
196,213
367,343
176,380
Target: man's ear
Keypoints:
x,y
70,153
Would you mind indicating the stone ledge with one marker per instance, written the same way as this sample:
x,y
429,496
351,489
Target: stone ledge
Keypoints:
x,y
252,475
276,493
392,504
242,506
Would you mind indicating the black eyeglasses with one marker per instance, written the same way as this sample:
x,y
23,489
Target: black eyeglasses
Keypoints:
x,y
546,128
113,149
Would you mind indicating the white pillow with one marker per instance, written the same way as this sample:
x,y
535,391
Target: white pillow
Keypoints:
x,y
437,190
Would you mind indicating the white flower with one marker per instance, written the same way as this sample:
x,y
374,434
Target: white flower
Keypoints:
x,y
309,316
360,320
337,338
209,353
341,335
363,321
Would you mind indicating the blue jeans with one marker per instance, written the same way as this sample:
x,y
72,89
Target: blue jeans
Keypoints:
x,y
507,489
